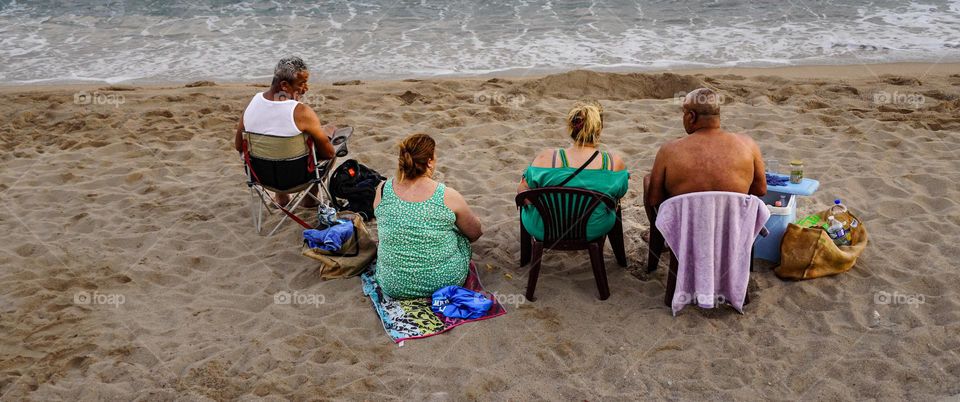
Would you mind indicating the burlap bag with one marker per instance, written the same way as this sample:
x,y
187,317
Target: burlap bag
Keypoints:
x,y
807,253
356,253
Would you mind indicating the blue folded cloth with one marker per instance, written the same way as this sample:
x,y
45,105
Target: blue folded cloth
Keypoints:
x,y
777,180
460,302
331,238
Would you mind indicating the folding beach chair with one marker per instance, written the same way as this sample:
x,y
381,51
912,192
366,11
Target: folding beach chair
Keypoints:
x,y
287,165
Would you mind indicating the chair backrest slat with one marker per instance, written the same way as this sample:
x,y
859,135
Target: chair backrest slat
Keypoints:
x,y
565,211
269,147
557,213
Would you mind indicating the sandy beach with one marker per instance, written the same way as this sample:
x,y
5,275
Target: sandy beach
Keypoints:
x,y
133,197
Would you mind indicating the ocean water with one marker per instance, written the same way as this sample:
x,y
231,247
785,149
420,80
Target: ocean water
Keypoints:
x,y
163,41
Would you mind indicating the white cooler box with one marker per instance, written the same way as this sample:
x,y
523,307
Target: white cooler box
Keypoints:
x,y
768,248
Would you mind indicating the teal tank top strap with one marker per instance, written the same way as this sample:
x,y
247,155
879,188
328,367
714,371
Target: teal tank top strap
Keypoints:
x,y
438,194
564,162
563,158
387,189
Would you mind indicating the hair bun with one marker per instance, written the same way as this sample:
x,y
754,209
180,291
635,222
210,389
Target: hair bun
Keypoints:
x,y
584,123
416,152
406,160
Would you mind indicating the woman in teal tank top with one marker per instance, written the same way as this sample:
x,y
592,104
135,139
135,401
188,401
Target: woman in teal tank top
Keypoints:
x,y
606,173
425,228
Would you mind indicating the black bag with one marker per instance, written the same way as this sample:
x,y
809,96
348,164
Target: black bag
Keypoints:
x,y
357,185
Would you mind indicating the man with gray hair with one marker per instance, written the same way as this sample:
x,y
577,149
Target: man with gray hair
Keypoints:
x,y
708,159
278,112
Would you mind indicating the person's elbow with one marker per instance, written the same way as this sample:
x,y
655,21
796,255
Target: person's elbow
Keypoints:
x,y
326,152
476,236
759,188
522,186
477,233
652,200
238,141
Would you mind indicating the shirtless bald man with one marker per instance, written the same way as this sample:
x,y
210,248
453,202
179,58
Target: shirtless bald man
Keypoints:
x,y
708,159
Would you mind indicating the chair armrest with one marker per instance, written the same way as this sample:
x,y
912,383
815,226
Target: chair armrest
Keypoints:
x,y
521,199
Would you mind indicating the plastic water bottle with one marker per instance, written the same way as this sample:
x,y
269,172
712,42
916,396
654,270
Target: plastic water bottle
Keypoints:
x,y
838,209
842,214
836,231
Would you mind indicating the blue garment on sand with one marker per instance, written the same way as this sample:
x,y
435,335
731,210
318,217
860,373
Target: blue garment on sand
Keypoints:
x,y
331,238
460,302
777,180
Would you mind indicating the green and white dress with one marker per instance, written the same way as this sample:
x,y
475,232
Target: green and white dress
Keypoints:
x,y
421,250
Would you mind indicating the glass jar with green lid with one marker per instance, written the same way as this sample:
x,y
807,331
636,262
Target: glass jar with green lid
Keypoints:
x,y
796,171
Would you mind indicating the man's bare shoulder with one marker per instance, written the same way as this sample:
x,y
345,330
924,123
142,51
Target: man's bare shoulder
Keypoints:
x,y
304,111
746,140
671,145
741,136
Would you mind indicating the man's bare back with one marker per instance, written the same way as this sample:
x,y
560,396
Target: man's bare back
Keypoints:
x,y
713,160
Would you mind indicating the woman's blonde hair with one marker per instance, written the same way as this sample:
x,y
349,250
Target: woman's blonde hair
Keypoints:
x,y
416,151
584,123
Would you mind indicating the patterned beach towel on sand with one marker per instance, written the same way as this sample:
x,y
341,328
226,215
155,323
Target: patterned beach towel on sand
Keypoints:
x,y
413,318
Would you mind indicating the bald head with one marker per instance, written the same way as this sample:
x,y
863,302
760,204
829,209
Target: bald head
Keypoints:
x,y
701,110
703,102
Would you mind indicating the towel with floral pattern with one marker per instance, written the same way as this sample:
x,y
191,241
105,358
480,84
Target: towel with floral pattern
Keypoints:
x,y
413,318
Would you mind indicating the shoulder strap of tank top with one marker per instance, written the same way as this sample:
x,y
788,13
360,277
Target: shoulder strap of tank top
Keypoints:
x,y
563,158
384,186
592,157
438,193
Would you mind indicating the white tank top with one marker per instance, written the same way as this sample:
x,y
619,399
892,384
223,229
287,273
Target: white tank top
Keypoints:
x,y
264,116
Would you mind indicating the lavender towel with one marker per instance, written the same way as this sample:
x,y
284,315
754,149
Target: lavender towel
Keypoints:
x,y
711,234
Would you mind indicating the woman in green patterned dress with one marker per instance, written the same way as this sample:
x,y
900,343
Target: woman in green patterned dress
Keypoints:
x,y
425,228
